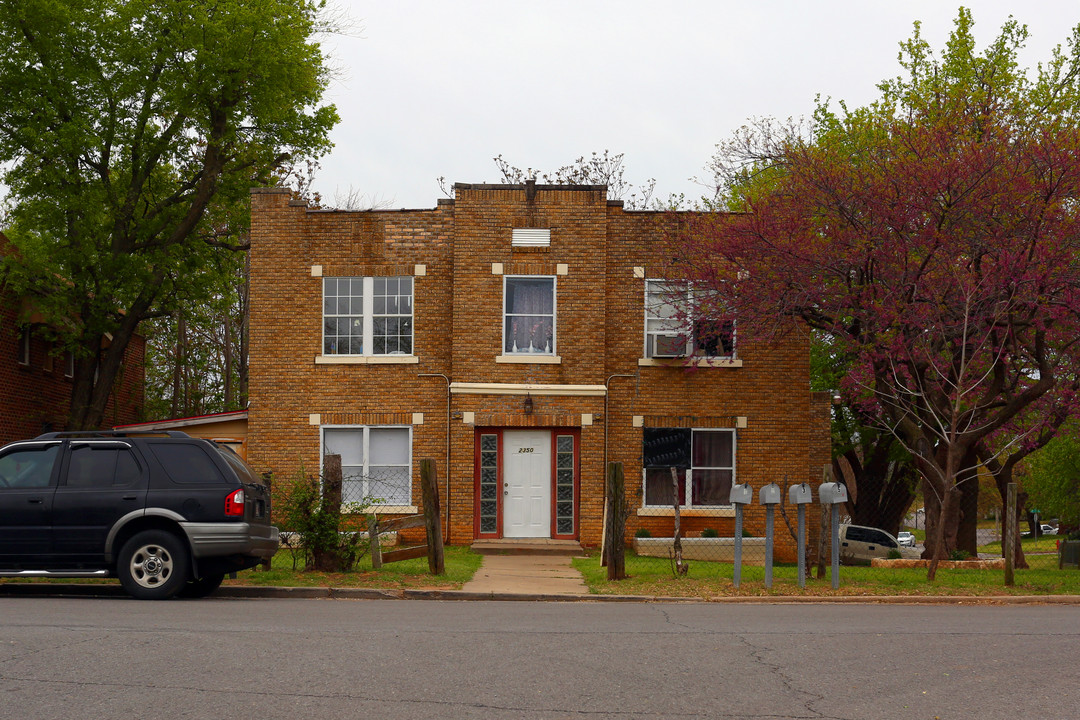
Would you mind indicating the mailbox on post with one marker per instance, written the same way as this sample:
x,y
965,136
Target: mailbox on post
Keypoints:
x,y
740,495
832,493
800,496
770,494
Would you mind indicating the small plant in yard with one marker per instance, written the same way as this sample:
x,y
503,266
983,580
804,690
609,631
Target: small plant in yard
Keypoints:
x,y
895,554
959,555
643,533
314,520
710,533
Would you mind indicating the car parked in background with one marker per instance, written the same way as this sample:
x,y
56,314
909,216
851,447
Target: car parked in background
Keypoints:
x,y
905,539
166,515
1048,530
859,545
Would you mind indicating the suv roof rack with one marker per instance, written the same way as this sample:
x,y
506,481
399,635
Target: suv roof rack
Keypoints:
x,y
110,433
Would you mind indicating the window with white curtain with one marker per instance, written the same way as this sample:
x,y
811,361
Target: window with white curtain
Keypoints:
x,y
529,315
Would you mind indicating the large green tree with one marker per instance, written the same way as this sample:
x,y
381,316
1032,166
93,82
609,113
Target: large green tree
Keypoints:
x,y
132,131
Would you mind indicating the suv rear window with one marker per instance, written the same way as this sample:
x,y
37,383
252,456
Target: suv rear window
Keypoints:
x,y
241,468
186,463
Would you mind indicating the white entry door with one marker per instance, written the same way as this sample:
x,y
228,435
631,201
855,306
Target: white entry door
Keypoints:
x,y
526,483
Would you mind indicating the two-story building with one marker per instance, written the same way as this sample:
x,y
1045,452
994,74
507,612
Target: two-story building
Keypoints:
x,y
522,336
36,376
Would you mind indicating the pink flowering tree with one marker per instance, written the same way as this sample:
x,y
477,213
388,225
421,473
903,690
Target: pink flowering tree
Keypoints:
x,y
932,238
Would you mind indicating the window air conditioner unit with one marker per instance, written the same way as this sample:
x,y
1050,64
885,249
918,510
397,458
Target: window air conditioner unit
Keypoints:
x,y
668,345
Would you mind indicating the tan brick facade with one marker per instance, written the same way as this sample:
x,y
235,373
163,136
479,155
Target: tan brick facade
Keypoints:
x,y
593,386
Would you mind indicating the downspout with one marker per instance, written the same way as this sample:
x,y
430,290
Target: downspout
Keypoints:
x,y
446,468
603,527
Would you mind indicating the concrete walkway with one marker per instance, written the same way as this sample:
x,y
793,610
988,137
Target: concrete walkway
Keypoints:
x,y
527,574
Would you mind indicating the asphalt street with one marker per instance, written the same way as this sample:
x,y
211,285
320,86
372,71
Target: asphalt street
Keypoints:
x,y
303,658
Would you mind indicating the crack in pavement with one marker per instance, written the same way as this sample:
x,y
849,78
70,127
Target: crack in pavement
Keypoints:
x,y
757,652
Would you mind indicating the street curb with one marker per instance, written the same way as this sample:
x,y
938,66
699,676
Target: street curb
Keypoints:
x,y
341,593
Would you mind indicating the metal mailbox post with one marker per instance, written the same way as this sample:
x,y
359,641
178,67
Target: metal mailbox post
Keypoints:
x,y
800,496
834,494
740,495
769,496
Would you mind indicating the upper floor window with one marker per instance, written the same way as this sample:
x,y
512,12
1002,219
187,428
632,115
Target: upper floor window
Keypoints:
x,y
529,315
674,328
704,462
368,316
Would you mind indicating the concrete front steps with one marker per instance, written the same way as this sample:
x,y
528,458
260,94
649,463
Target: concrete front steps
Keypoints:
x,y
528,546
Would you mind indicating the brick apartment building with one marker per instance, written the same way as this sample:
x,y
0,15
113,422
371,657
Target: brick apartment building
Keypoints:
x,y
521,336
36,378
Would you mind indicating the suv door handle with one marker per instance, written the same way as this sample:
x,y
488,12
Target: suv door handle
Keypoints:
x,y
129,497
35,500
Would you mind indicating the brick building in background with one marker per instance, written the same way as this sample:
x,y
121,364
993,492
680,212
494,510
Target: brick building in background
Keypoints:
x,y
36,378
521,336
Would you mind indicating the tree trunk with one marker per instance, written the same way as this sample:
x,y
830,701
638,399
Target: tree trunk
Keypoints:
x,y
245,317
227,362
945,536
967,538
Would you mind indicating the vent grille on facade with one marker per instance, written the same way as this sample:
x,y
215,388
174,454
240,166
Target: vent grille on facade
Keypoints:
x,y
531,237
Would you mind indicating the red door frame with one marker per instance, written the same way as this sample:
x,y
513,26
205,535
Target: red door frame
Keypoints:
x,y
556,432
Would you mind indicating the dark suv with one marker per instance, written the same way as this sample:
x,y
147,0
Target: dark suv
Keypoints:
x,y
167,515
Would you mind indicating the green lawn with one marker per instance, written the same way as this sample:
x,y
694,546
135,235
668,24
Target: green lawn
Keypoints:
x,y
460,563
652,576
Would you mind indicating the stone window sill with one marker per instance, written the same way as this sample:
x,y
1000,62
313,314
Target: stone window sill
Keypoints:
x,y
699,362
529,359
366,359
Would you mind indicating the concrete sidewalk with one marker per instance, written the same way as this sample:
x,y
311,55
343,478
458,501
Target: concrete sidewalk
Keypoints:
x,y
527,574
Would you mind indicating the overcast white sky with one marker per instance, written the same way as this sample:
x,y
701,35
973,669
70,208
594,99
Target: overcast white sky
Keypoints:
x,y
436,87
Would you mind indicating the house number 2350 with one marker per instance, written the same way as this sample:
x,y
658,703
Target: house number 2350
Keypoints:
x,y
525,450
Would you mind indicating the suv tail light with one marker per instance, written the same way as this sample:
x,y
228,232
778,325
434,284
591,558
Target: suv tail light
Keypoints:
x,y
234,504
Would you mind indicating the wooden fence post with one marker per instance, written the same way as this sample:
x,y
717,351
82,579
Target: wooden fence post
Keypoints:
x,y
330,559
432,520
616,521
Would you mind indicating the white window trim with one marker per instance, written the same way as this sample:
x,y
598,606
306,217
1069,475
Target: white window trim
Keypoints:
x,y
365,429
690,354
554,354
689,506
368,329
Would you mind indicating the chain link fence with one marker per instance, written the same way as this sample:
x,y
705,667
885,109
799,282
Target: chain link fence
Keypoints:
x,y
763,544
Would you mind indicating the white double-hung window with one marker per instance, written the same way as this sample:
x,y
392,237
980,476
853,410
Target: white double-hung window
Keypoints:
x,y
368,316
376,463
529,315
675,325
